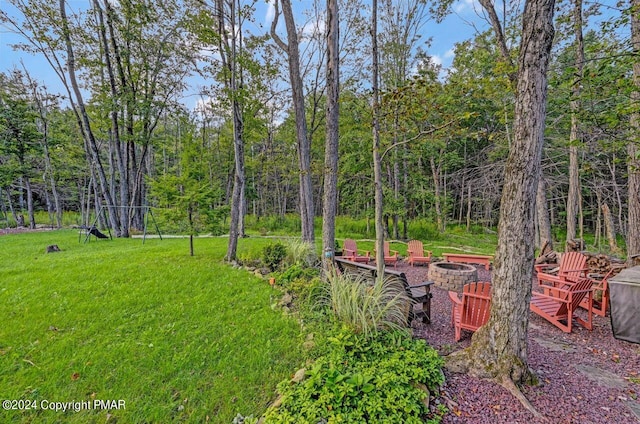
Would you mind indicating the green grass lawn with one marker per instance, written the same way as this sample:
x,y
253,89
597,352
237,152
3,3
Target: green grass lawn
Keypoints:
x,y
178,338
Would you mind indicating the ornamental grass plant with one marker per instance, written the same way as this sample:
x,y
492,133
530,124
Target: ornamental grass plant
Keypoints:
x,y
366,308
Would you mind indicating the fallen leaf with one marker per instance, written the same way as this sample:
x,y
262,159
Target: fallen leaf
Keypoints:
x,y
75,376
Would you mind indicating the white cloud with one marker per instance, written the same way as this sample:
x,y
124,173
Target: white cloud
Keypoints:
x,y
450,53
436,59
465,6
270,15
313,28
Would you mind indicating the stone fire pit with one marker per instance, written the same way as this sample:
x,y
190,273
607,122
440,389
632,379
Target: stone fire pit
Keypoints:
x,y
452,276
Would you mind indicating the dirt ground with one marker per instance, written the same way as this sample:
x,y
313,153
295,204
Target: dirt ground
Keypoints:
x,y
585,377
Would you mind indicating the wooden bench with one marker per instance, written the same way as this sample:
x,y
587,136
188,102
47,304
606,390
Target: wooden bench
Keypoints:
x,y
469,259
420,294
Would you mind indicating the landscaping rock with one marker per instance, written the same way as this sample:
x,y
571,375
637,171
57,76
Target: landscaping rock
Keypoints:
x,y
299,375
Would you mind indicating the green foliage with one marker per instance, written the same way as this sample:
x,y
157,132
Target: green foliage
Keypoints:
x,y
188,201
422,229
350,227
296,272
273,255
280,224
366,308
301,253
363,379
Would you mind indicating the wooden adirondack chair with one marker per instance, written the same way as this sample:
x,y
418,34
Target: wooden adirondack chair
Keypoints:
x,y
350,252
559,304
572,265
472,310
600,303
389,257
417,254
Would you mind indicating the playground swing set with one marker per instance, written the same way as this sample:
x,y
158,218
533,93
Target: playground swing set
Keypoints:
x,y
92,230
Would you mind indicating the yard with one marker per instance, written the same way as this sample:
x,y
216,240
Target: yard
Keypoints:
x,y
173,337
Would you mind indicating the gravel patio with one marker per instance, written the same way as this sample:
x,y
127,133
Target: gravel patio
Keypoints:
x,y
585,377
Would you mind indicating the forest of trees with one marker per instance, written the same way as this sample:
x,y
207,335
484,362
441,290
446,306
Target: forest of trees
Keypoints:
x,y
120,138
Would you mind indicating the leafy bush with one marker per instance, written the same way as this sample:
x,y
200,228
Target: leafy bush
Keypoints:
x,y
273,255
363,379
366,308
296,272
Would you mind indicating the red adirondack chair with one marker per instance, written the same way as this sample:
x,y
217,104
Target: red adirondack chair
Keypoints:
x,y
600,303
389,257
471,311
558,305
350,252
417,254
572,265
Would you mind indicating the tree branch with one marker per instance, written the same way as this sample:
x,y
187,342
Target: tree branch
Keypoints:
x,y
415,137
497,28
274,24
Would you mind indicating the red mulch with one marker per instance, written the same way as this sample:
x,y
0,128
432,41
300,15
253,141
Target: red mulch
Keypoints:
x,y
564,395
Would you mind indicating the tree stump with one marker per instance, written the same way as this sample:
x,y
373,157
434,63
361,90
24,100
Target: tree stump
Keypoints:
x,y
53,248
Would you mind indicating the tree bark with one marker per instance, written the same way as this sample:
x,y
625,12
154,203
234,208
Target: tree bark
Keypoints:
x,y
113,113
377,160
435,174
499,349
609,228
330,197
573,196
228,54
30,211
633,147
85,125
542,212
302,136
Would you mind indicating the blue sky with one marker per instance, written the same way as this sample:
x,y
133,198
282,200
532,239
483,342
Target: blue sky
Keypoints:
x,y
455,28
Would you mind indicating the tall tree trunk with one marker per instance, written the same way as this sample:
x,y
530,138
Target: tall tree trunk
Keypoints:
x,y
85,125
11,208
609,228
573,197
499,349
542,212
330,197
396,196
228,54
633,149
50,174
113,113
377,165
435,174
405,201
468,207
30,211
302,136
118,145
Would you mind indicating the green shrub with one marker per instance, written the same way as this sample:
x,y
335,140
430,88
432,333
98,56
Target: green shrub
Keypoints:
x,y
296,272
273,255
363,380
364,307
